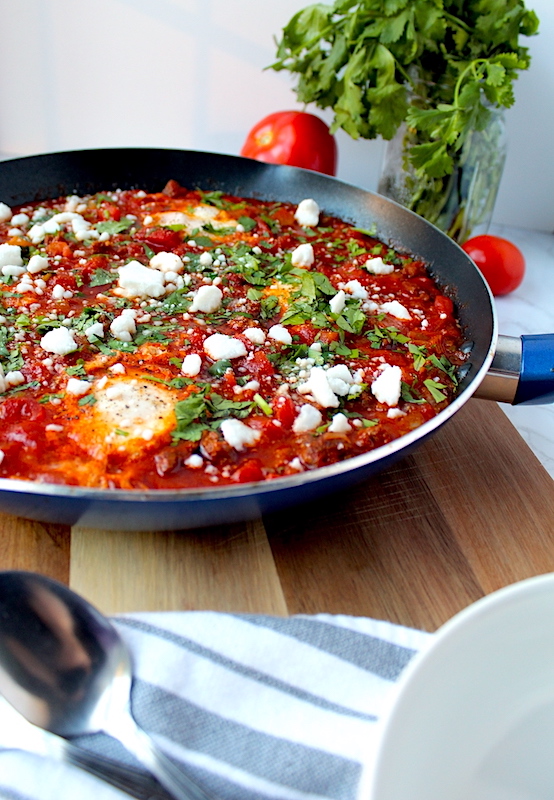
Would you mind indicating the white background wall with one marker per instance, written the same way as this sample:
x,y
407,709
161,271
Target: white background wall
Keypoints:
x,y
189,74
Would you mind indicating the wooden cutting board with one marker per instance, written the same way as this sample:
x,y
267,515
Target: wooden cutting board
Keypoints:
x,y
471,511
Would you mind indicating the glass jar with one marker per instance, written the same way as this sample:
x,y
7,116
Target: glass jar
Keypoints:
x,y
460,204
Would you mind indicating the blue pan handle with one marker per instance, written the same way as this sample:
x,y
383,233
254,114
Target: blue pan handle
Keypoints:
x,y
522,371
536,380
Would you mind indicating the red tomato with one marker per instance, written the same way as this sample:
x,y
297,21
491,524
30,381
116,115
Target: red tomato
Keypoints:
x,y
500,261
295,138
251,470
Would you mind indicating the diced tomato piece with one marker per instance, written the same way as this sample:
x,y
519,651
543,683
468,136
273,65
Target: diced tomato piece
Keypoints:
x,y
259,365
160,239
443,304
250,471
305,332
59,248
15,409
328,336
284,411
111,211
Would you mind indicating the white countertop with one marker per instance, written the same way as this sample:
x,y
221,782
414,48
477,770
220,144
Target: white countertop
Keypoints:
x,y
530,309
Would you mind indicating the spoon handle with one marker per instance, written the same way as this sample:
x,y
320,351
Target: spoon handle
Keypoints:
x,y
143,747
128,779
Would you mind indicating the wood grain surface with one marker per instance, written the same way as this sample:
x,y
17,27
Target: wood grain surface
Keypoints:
x,y
469,512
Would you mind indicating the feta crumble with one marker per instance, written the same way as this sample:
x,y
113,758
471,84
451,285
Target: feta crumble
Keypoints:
x,y
207,299
396,309
255,335
338,302
77,387
280,334
303,255
307,213
378,267
219,346
124,327
59,341
386,388
167,262
192,364
136,280
10,255
239,435
339,424
308,419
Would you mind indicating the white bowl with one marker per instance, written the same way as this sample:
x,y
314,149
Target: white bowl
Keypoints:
x,y
473,718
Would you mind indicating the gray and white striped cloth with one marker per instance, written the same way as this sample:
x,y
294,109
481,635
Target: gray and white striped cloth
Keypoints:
x,y
254,706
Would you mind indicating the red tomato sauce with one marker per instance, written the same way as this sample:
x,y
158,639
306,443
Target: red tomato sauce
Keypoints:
x,y
328,343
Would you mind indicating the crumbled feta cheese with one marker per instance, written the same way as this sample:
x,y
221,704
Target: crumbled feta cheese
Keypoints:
x,y
393,413
205,259
78,387
318,386
59,341
307,213
124,327
194,461
356,289
337,302
10,255
308,419
191,365
117,369
255,335
136,280
303,255
54,428
37,264
5,212
36,234
339,424
167,262
219,346
14,378
280,334
208,299
72,202
58,292
339,379
96,329
378,267
239,435
51,226
15,272
65,216
386,388
19,219
396,309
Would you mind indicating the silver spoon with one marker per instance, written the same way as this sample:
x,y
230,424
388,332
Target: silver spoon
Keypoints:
x,y
66,669
16,733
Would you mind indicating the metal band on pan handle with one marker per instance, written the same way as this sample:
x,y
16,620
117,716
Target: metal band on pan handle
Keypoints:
x,y
502,380
522,371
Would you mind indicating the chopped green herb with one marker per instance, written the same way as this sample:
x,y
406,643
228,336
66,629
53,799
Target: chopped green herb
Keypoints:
x,y
100,277
434,388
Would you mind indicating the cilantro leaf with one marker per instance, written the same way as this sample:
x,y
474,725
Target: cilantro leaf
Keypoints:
x,y
100,277
112,226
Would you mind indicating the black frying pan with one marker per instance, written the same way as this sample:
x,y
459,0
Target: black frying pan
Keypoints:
x,y
80,172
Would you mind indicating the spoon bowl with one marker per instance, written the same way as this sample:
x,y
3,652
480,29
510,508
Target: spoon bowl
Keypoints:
x,y
65,668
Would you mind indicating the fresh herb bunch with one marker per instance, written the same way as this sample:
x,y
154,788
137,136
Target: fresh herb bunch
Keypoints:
x,y
439,66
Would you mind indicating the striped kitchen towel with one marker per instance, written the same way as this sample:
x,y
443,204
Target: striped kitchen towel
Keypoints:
x,y
253,706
